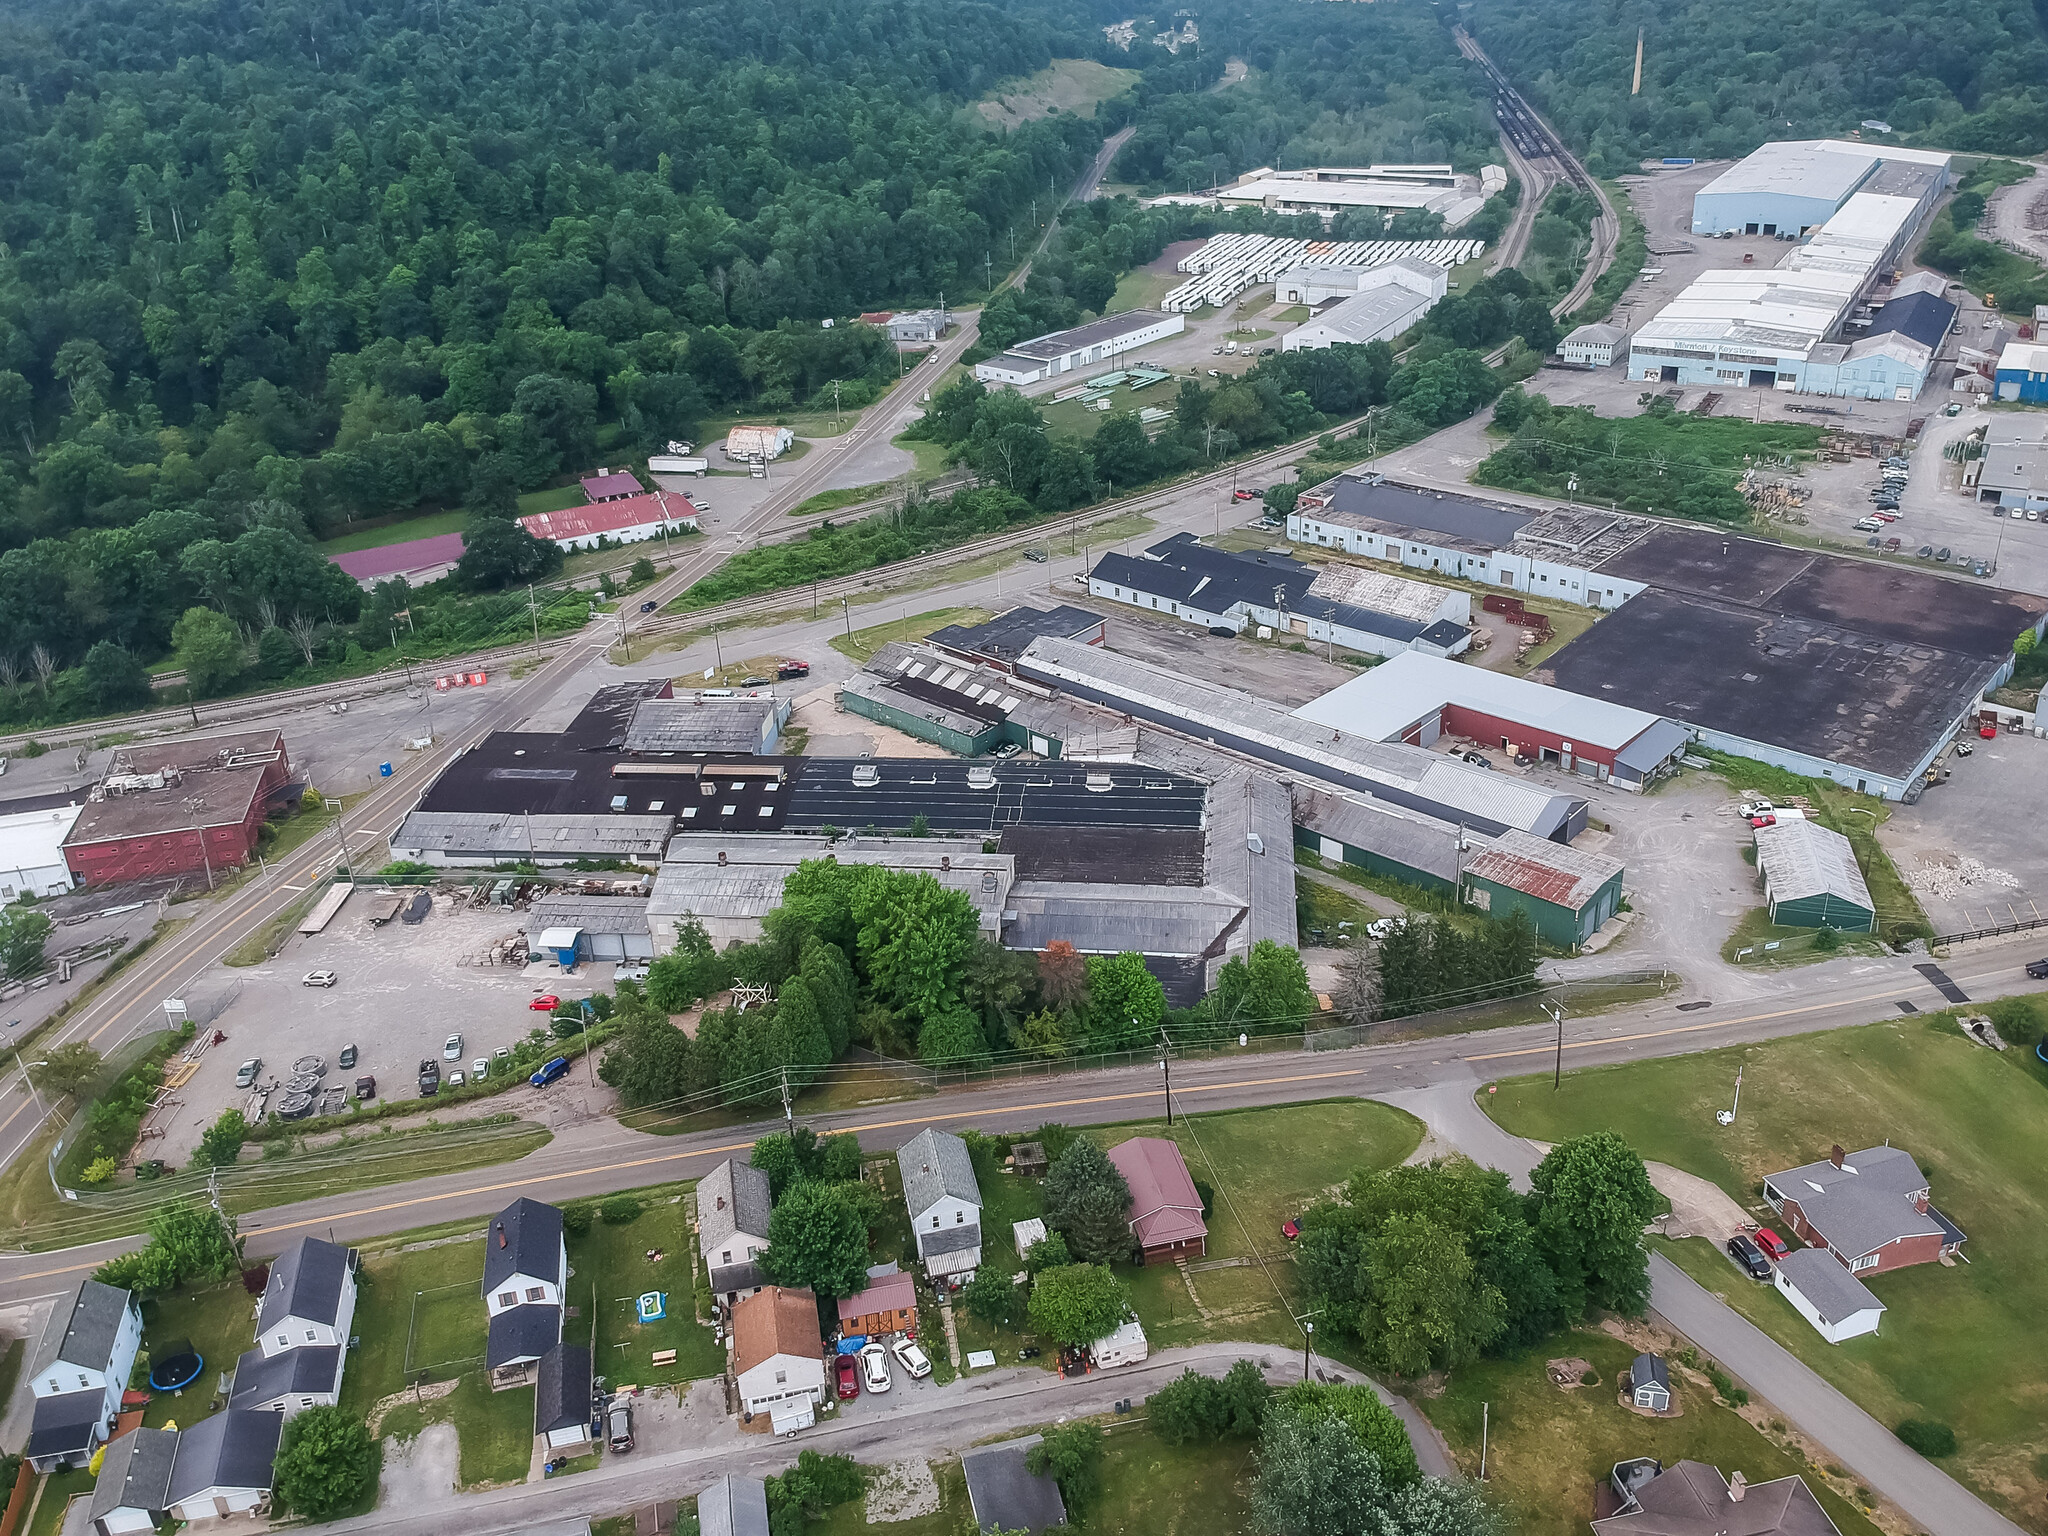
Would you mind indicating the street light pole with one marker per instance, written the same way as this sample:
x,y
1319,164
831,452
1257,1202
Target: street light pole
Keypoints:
x,y
1557,1073
13,1040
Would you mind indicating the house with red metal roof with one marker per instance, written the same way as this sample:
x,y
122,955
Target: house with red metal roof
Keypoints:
x,y
629,520
611,485
1567,892
1166,1209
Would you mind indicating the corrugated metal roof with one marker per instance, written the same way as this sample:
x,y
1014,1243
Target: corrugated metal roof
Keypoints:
x,y
545,834
1799,859
1420,842
1383,702
593,914
697,723
1553,872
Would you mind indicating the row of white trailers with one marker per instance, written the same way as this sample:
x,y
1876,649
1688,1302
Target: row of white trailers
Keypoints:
x,y
1229,264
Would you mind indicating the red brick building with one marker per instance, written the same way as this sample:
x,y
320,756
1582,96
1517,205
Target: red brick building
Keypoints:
x,y
1869,1209
178,807
1166,1208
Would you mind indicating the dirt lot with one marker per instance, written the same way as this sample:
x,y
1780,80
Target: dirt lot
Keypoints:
x,y
402,990
1961,843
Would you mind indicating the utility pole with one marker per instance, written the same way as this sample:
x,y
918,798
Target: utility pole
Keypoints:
x,y
533,608
1165,1069
788,1109
1485,1423
1557,1073
847,608
1308,1337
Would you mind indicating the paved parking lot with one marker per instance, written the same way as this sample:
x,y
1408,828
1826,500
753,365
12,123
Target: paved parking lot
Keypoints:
x,y
1965,839
402,990
1264,668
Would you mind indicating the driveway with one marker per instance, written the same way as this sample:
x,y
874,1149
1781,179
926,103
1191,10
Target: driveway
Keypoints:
x,y
1933,1499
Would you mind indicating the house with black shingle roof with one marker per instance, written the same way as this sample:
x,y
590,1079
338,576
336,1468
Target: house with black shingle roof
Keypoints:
x,y
79,1368
526,1278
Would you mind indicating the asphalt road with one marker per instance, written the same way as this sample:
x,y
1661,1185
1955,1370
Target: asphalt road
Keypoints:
x,y
599,1156
946,1421
1934,1500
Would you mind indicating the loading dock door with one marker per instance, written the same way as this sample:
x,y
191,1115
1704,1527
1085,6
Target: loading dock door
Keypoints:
x,y
1668,374
1763,378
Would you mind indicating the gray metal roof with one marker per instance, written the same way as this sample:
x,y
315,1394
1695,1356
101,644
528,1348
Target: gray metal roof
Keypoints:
x,y
1006,1494
82,1328
593,914
306,1281
1799,859
1862,1205
1654,747
1412,777
64,1423
233,1449
541,835
1109,328
1375,314
1115,919
934,1163
696,723
733,1197
733,1506
1420,842
260,1380
1827,1285
136,1473
1249,853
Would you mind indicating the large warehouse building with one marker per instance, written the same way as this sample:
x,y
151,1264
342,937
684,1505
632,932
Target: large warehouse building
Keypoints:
x,y
178,807
1798,326
1085,346
1385,301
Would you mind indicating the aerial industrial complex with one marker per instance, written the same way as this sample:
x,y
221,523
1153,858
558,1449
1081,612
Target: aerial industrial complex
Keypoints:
x,y
1832,318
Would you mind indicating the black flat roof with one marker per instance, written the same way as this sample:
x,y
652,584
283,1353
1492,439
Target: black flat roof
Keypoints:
x,y
1882,600
1922,317
1486,524
1035,794
511,773
602,722
1841,694
1002,637
1107,855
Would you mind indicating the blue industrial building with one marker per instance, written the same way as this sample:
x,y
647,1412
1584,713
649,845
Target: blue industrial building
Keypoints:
x,y
2022,373
1791,189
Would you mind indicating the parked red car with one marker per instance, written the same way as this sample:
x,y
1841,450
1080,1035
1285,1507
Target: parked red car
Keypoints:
x,y
547,1002
1243,496
849,1377
1773,1245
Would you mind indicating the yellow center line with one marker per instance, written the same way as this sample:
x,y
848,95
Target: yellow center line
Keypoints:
x,y
534,1180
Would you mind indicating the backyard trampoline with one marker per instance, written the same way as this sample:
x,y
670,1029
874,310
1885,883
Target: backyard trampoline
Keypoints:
x,y
179,1367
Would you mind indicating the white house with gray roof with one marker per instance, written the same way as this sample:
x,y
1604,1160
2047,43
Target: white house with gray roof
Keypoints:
x,y
223,1465
733,1506
77,1372
1837,1304
944,1199
133,1491
733,1207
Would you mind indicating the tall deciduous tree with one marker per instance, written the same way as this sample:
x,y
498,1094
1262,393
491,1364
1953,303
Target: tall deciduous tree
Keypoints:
x,y
1078,1303
326,1461
817,1238
1592,1197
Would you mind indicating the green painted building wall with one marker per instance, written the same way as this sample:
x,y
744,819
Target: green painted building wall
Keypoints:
x,y
1373,863
957,742
1558,926
1824,911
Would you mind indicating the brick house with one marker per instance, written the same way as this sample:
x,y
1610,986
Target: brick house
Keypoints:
x,y
1869,1209
1166,1209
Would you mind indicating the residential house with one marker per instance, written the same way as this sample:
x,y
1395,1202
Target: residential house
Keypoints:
x,y
1006,1495
733,1506
888,1305
1166,1210
1824,1293
526,1276
777,1354
1869,1209
945,1203
309,1299
563,1399
1693,1499
223,1465
78,1371
133,1491
1649,1384
733,1206
308,1376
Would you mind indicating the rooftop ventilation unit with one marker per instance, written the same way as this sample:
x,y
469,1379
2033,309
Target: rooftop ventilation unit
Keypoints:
x,y
978,778
866,775
1100,783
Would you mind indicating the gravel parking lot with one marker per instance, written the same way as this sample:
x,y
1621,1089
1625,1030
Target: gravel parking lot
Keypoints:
x,y
402,990
1962,843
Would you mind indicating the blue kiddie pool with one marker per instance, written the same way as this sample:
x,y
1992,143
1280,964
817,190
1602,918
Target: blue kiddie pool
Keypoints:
x,y
653,1306
179,1368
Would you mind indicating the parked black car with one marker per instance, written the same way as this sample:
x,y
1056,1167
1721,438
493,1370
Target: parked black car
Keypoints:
x,y
430,1077
1750,1257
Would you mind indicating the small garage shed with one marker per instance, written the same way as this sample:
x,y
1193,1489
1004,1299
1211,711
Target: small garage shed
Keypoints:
x,y
1811,878
572,929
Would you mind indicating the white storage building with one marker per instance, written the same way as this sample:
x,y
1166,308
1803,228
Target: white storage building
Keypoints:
x,y
32,852
1388,301
1592,346
1085,346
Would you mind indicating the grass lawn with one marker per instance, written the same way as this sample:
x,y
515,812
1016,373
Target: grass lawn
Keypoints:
x,y
612,1269
54,1497
1142,290
1320,907
847,496
1264,1164
1065,85
1963,1346
555,498
1795,946
863,643
426,526
930,457
219,1322
1547,1448
494,1429
953,1517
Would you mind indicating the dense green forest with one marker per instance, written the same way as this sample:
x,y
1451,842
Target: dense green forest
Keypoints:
x,y
1719,79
